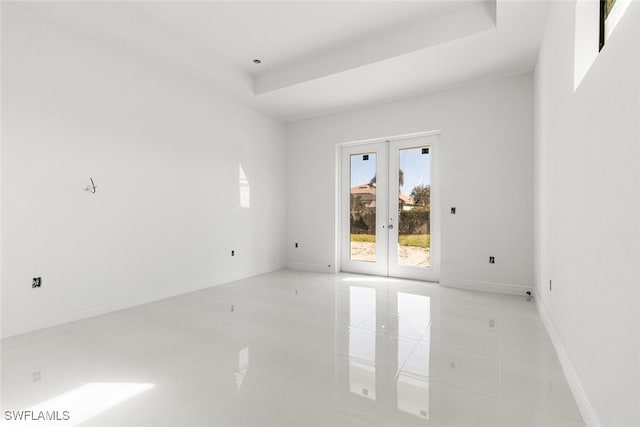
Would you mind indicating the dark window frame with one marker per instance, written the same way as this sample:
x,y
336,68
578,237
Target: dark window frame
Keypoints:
x,y
603,18
606,6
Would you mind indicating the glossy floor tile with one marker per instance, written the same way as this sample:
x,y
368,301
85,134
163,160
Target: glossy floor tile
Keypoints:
x,y
297,349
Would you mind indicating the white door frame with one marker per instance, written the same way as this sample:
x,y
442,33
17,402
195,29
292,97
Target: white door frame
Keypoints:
x,y
379,267
431,273
382,147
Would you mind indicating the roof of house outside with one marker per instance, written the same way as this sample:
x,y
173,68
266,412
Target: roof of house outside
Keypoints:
x,y
367,192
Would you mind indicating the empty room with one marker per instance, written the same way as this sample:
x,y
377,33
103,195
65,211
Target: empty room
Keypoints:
x,y
320,213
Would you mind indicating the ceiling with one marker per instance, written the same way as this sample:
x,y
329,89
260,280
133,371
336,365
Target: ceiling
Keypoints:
x,y
319,57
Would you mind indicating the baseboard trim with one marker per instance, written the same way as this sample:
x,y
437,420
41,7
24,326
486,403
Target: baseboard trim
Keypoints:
x,y
587,411
501,288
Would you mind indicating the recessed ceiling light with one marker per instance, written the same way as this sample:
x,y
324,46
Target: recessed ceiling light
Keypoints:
x,y
257,61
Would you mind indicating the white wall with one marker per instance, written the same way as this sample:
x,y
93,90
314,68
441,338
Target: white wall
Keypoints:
x,y
165,154
486,158
587,217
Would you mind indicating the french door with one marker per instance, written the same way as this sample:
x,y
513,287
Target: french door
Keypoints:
x,y
389,208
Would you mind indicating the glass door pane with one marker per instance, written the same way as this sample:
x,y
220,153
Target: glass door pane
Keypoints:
x,y
362,207
414,207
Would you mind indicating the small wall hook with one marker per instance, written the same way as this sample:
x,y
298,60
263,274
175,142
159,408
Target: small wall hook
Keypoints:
x,y
91,188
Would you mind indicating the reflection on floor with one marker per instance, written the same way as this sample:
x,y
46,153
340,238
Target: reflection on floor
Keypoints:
x,y
293,348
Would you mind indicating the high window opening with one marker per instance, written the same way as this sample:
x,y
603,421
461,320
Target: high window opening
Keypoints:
x,y
610,13
595,21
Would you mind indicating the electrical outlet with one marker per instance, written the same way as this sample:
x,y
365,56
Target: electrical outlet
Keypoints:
x,y
492,260
296,244
233,253
453,210
37,282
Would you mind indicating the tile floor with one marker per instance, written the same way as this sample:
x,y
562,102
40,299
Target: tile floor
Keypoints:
x,y
297,349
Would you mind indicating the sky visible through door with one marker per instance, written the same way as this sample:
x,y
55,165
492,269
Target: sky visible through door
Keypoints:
x,y
416,172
